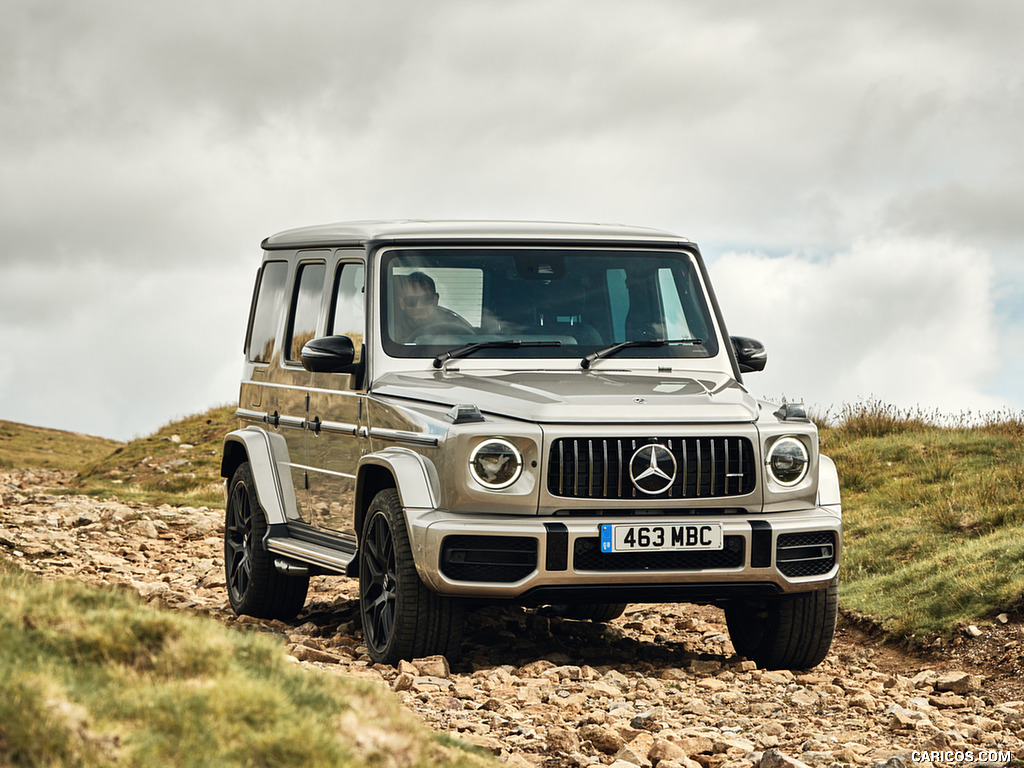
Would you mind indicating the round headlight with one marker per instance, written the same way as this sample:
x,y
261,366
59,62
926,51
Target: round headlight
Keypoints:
x,y
787,461
496,463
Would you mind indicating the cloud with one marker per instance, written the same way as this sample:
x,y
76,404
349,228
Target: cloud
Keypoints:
x,y
96,350
908,321
146,154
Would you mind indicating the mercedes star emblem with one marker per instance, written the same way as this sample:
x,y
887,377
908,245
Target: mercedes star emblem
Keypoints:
x,y
652,469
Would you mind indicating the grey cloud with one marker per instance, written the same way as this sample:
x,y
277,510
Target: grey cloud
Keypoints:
x,y
138,144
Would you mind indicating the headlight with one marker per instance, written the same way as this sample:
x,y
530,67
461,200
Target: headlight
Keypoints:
x,y
787,461
496,463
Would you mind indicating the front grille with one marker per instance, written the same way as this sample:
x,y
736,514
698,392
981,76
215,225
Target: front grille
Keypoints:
x,y
806,554
598,468
501,559
587,556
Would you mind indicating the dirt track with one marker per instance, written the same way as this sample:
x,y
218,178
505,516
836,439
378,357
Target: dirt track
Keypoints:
x,y
659,686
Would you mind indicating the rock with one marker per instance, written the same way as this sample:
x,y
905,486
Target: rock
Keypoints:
x,y
773,758
696,745
562,740
305,653
663,750
403,682
432,666
863,700
604,739
957,682
902,721
628,755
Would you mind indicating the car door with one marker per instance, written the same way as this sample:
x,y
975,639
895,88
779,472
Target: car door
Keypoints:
x,y
293,381
336,407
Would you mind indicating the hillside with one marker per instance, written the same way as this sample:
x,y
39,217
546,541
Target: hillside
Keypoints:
x,y
933,506
933,517
22,445
177,464
93,677
108,675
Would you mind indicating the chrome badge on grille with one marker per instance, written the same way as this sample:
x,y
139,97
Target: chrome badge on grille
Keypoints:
x,y
652,469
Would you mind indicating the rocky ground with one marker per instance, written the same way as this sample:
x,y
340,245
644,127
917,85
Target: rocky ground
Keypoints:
x,y
660,686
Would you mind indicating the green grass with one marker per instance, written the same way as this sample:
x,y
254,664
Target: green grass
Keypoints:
x,y
933,504
933,516
96,678
41,448
179,464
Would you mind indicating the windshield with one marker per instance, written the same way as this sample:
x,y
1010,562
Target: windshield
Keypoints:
x,y
437,300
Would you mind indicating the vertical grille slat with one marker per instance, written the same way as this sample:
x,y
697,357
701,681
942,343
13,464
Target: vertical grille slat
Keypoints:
x,y
706,467
590,467
604,447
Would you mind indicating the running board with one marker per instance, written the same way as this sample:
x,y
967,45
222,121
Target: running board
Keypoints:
x,y
313,554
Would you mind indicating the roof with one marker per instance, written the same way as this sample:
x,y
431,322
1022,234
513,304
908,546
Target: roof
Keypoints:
x,y
363,232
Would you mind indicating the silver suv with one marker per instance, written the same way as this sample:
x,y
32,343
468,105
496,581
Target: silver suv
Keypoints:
x,y
548,414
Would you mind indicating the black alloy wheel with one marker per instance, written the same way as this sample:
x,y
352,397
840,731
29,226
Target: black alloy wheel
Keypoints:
x,y
238,543
255,587
378,582
402,617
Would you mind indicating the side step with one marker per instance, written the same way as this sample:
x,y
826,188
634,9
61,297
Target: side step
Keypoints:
x,y
309,553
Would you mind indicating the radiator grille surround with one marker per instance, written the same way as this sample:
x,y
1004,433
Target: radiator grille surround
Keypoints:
x,y
599,467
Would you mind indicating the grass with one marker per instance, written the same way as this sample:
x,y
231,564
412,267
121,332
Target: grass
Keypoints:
x,y
933,510
38,447
179,464
933,504
96,678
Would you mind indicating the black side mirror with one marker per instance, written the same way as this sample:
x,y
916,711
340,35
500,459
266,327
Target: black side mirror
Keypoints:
x,y
750,354
330,354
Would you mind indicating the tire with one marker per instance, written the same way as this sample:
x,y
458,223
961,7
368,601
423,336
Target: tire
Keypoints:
x,y
596,612
255,587
792,632
402,618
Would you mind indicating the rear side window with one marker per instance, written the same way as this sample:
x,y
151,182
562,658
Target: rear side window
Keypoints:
x,y
348,311
309,289
266,315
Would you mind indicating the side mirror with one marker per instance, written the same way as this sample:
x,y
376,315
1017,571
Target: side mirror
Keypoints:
x,y
750,354
330,354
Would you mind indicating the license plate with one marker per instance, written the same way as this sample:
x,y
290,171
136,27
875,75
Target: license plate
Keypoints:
x,y
661,537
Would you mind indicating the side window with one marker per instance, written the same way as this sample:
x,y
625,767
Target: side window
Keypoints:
x,y
267,311
672,306
309,288
347,310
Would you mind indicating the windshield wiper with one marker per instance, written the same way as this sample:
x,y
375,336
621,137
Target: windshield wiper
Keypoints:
x,y
469,349
614,349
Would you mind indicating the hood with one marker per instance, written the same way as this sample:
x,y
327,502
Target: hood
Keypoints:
x,y
572,397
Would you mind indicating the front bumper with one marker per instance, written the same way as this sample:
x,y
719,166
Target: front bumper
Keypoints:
x,y
521,558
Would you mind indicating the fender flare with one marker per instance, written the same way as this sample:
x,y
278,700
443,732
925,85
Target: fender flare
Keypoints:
x,y
415,478
828,483
257,446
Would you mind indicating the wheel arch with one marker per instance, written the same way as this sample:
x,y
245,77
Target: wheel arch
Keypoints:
x,y
828,482
255,446
397,468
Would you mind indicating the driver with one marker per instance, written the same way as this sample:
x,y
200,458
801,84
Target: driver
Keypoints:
x,y
419,312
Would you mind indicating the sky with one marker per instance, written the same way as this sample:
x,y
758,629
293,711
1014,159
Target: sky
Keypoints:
x,y
853,174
